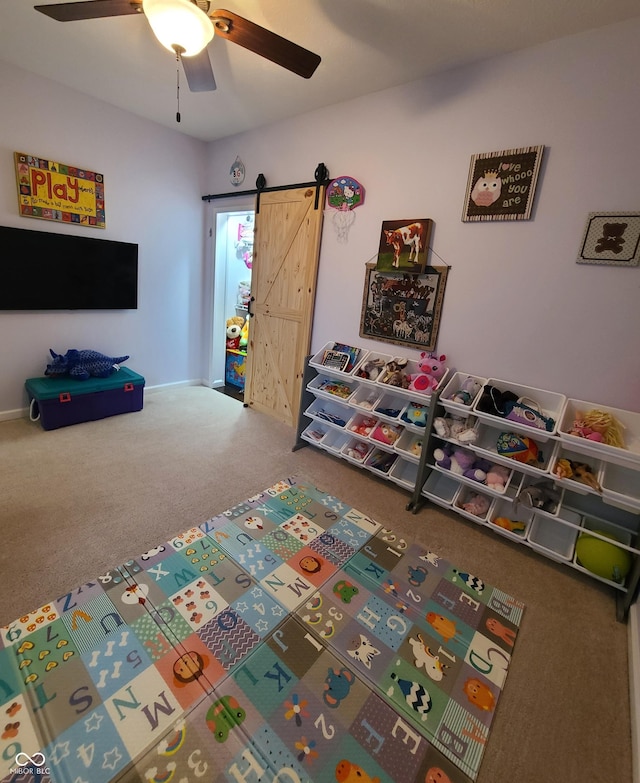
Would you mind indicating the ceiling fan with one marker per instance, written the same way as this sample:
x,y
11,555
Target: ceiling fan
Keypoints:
x,y
186,27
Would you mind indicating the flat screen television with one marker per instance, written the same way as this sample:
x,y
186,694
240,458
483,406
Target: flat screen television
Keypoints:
x,y
40,270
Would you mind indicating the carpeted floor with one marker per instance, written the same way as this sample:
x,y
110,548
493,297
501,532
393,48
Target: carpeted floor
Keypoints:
x,y
80,500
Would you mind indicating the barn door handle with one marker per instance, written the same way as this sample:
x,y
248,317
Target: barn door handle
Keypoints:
x,y
250,314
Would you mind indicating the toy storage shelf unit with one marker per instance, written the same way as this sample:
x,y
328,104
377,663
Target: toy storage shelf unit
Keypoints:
x,y
368,423
591,527
583,515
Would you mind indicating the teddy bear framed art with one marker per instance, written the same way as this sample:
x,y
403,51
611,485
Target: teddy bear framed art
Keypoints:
x,y
611,238
401,308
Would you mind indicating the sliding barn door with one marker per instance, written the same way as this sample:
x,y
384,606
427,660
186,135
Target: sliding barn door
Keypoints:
x,y
286,248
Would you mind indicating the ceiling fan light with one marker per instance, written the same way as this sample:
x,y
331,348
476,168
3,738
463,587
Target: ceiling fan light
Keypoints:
x,y
179,23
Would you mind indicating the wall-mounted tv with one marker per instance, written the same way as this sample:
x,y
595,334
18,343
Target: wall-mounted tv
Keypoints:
x,y
40,270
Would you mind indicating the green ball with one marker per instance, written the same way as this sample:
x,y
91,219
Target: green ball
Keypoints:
x,y
602,558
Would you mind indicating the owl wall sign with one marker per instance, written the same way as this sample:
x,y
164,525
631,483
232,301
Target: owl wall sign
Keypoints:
x,y
501,185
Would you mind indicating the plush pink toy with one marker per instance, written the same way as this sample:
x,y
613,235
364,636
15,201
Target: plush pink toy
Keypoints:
x,y
478,505
497,477
431,369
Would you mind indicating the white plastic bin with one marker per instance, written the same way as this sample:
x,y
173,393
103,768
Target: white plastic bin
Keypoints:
x,y
549,403
628,456
325,361
379,359
332,388
440,488
453,386
619,534
404,473
503,509
552,538
409,445
466,495
621,487
327,410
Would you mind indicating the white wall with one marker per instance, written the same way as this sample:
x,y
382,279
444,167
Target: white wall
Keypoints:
x,y
153,196
517,306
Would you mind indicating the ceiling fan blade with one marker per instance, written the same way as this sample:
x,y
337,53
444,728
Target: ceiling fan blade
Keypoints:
x,y
199,72
90,9
265,43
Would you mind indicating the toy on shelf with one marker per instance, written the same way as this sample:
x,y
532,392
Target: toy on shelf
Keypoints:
x,y
387,433
338,388
477,504
382,461
603,558
467,392
455,427
497,477
371,369
431,369
461,462
542,495
234,331
577,471
512,525
494,401
416,448
364,426
598,426
334,418
520,448
394,373
357,451
83,364
415,413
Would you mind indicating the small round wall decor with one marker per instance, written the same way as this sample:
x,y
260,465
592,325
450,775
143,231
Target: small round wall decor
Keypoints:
x,y
344,194
237,172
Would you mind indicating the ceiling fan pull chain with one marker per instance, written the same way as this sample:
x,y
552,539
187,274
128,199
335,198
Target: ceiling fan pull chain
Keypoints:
x,y
178,86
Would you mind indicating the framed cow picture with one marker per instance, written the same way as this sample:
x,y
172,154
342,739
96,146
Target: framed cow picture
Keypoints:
x,y
402,308
404,245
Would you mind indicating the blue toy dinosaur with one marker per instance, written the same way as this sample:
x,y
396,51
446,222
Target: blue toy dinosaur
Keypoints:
x,y
83,364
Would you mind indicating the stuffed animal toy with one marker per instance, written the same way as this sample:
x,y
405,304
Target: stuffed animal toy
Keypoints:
x,y
394,373
543,494
477,504
467,392
364,426
415,413
431,369
456,428
83,364
461,462
234,331
244,334
371,369
497,477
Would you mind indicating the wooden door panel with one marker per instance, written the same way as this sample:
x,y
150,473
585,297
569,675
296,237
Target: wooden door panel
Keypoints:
x,y
285,261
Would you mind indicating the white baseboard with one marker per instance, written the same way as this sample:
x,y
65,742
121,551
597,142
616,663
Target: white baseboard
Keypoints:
x,y
23,413
18,413
634,686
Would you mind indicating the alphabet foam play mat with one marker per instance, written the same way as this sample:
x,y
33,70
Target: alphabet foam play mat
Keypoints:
x,y
291,638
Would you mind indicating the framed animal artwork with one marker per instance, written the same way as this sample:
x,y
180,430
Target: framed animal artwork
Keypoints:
x,y
502,185
611,238
402,308
404,245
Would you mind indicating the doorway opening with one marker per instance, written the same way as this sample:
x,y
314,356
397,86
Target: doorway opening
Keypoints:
x,y
233,262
